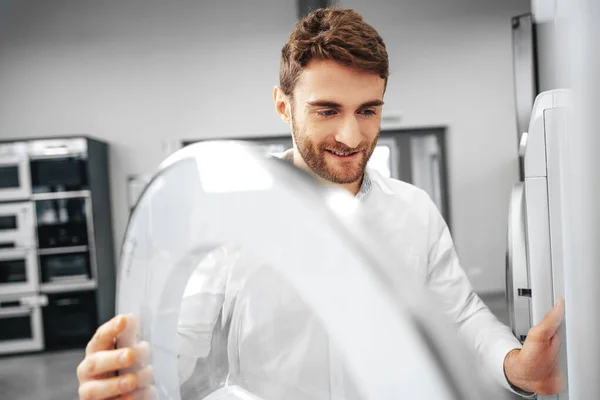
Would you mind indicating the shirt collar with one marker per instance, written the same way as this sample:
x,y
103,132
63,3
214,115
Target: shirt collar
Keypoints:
x,y
365,186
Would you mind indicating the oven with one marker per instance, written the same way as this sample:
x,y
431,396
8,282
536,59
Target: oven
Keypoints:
x,y
21,324
62,220
15,180
17,226
70,319
59,165
60,269
18,271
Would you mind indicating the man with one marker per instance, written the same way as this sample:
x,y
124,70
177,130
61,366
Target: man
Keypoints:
x,y
333,75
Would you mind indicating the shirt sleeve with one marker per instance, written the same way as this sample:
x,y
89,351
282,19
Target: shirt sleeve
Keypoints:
x,y
477,326
201,310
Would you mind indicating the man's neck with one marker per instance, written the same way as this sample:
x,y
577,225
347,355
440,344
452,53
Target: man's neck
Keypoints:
x,y
298,161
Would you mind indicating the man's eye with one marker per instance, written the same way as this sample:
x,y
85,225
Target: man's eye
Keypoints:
x,y
368,113
327,113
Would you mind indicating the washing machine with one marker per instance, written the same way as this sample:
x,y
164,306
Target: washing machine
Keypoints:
x,y
246,279
535,256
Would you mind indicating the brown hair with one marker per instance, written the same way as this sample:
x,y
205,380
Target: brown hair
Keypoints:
x,y
335,34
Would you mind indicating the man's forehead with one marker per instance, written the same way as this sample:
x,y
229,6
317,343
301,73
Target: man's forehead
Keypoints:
x,y
331,81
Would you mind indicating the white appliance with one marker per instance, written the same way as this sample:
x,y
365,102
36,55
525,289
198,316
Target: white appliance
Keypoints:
x,y
215,278
562,189
18,258
21,323
535,264
18,271
17,225
15,180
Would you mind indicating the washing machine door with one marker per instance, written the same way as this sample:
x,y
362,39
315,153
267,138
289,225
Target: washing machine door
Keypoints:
x,y
248,280
517,274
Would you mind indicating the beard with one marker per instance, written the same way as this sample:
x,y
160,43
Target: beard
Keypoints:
x,y
316,156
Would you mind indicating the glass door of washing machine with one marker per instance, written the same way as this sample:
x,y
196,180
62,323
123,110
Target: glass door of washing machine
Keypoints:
x,y
246,279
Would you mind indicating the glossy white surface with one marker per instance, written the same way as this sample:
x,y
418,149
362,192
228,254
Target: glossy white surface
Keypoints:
x,y
303,276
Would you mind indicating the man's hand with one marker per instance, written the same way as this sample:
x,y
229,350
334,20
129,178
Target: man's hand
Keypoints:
x,y
535,368
97,373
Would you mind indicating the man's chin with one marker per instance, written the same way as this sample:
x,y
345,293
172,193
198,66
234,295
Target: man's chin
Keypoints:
x,y
343,178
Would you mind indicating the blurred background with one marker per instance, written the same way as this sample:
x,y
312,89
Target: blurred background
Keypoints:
x,y
94,95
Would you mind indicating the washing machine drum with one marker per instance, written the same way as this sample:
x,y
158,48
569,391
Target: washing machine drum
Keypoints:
x,y
248,280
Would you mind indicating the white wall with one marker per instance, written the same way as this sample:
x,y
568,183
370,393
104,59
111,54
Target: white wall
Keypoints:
x,y
143,75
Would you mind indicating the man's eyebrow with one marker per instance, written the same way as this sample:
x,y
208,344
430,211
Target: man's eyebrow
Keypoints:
x,y
333,104
372,103
324,103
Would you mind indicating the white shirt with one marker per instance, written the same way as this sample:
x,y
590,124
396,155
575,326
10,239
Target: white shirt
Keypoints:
x,y
413,217
412,222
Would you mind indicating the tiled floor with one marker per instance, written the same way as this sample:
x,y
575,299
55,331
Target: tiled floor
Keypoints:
x,y
44,376
51,376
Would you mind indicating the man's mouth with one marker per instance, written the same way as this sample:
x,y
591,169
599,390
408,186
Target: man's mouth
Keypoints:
x,y
343,155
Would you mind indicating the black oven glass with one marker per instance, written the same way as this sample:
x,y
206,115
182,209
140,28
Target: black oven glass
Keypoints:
x,y
60,267
62,222
59,174
70,319
8,223
9,177
13,271
15,328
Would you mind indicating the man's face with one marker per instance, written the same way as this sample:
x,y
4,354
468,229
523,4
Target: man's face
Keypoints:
x,y
336,118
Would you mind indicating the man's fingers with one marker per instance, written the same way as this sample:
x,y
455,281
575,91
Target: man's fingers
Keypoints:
x,y
145,377
129,336
107,388
142,354
104,338
548,327
103,362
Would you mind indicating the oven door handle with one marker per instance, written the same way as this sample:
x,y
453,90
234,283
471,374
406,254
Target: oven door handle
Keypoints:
x,y
13,160
15,312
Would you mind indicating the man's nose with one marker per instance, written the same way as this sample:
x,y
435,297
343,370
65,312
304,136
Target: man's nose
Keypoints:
x,y
349,132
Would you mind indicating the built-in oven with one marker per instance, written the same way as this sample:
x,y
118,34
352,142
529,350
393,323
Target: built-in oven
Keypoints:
x,y
59,165
62,219
17,226
70,319
62,271
18,271
21,324
15,180
65,242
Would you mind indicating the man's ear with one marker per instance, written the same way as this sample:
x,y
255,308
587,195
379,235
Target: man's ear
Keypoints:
x,y
282,106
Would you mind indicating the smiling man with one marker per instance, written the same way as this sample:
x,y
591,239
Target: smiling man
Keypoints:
x,y
333,75
335,129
